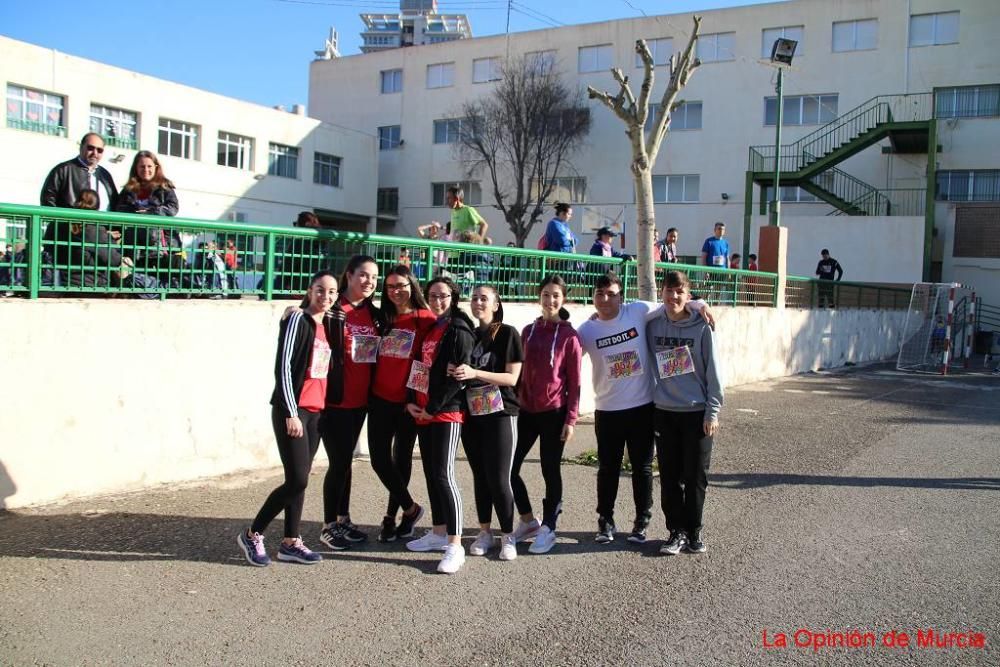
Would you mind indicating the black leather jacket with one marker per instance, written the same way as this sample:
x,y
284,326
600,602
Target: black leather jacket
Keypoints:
x,y
63,185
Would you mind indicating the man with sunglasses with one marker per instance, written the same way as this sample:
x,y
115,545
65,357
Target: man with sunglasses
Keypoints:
x,y
83,172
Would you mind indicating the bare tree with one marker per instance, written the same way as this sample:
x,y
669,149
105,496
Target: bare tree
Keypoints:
x,y
634,113
523,135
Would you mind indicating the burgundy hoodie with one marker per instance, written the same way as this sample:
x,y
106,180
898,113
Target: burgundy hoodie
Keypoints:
x,y
550,374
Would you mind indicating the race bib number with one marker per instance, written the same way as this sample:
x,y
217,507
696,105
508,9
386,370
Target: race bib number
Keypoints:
x,y
484,400
420,374
674,362
719,260
623,365
320,366
364,349
397,343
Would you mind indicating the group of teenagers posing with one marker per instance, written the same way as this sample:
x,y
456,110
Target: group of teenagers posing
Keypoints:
x,y
426,373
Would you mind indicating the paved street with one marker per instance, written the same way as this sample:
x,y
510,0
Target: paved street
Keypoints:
x,y
864,499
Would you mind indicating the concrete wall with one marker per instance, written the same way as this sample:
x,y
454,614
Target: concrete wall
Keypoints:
x,y
109,396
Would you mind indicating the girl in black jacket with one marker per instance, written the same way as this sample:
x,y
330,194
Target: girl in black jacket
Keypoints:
x,y
300,372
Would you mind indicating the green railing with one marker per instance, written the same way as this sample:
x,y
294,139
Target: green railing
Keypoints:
x,y
849,194
894,201
845,129
813,293
128,143
35,126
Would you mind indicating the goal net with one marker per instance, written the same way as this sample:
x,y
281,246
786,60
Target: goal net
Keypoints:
x,y
937,327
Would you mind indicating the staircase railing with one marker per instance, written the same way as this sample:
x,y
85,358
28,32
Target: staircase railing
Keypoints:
x,y
856,196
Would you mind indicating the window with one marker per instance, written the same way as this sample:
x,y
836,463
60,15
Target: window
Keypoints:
x,y
802,110
968,185
179,139
661,50
791,193
571,189
116,126
717,47
388,137
448,131
855,35
472,189
235,151
441,75
768,35
931,29
967,102
388,201
326,169
486,69
595,58
676,189
35,111
392,81
282,161
541,61
687,116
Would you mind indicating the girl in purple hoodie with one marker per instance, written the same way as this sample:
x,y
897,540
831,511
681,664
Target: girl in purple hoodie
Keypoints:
x,y
549,394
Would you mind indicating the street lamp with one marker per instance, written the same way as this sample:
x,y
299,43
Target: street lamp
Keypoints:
x,y
781,57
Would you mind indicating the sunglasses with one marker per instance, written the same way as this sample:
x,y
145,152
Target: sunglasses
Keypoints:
x,y
97,149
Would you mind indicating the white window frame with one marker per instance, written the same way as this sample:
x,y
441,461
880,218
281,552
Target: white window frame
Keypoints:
x,y
181,134
386,141
690,186
394,79
118,127
485,70
282,160
543,61
569,189
769,35
451,128
939,22
326,169
441,75
46,103
824,103
473,192
660,48
595,58
792,194
985,101
985,177
230,143
678,119
855,35
716,47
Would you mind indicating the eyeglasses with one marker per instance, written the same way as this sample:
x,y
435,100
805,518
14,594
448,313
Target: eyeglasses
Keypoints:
x,y
438,297
96,149
397,286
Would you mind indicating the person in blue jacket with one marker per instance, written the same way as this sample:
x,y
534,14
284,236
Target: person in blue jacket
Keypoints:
x,y
558,236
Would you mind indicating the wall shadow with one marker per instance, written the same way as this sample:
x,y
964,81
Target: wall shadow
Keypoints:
x,y
763,480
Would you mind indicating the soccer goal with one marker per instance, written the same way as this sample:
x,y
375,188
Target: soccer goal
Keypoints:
x,y
938,329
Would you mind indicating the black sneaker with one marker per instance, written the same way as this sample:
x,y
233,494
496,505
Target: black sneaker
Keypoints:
x,y
676,542
334,538
638,535
406,523
694,544
388,532
605,531
351,532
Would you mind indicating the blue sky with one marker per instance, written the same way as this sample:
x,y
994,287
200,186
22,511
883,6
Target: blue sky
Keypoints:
x,y
259,50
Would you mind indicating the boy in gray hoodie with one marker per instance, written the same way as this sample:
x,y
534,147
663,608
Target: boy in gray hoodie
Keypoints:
x,y
688,396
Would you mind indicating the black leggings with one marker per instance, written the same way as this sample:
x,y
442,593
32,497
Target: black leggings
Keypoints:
x,y
489,446
340,428
388,460
548,426
616,430
296,458
684,453
438,447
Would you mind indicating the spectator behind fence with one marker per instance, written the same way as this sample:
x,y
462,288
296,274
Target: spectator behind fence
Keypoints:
x,y
602,245
826,269
68,179
86,252
463,217
715,250
752,262
558,236
734,261
298,258
232,259
150,192
668,247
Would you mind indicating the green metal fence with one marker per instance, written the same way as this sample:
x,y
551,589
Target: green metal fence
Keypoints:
x,y
70,252
813,293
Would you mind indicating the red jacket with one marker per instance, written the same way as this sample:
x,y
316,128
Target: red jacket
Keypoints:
x,y
550,374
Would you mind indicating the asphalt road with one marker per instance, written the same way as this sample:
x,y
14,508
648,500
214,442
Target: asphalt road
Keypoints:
x,y
860,500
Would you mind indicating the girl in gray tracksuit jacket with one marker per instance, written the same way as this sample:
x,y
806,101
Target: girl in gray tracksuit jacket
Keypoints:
x,y
688,397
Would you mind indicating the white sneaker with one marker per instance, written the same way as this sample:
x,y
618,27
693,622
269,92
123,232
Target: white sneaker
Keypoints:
x,y
544,541
454,559
483,543
431,541
525,530
508,547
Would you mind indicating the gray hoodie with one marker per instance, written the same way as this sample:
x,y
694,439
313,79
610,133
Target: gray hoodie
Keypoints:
x,y
693,379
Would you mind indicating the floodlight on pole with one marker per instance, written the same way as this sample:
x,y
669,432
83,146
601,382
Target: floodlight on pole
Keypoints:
x,y
781,57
